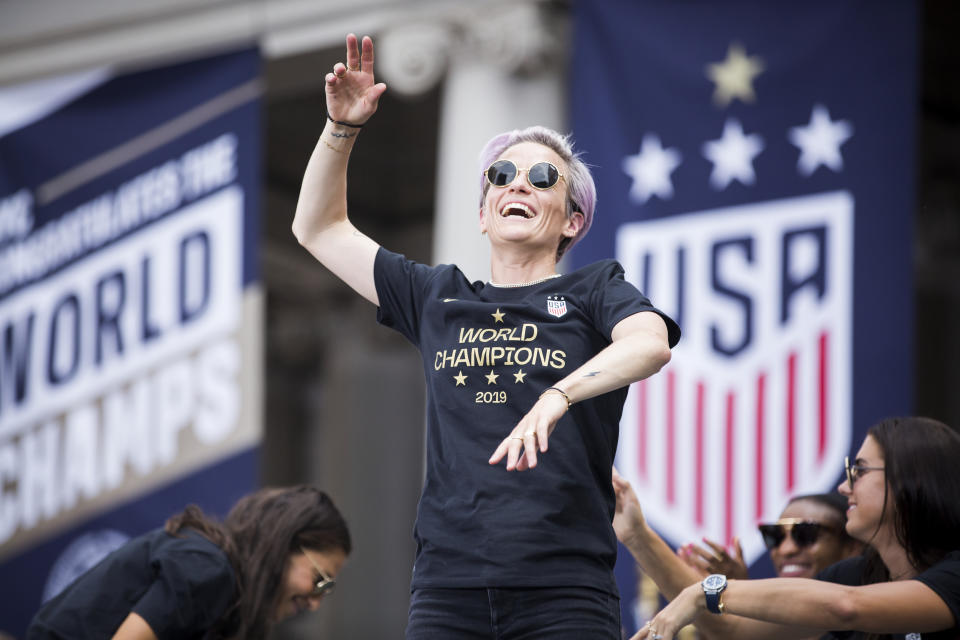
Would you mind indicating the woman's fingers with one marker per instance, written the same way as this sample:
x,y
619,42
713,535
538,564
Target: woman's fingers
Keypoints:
x,y
531,434
353,53
718,549
352,95
500,451
509,447
651,631
530,448
520,449
366,59
543,437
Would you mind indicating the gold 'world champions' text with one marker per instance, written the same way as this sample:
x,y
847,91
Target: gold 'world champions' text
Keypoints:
x,y
495,354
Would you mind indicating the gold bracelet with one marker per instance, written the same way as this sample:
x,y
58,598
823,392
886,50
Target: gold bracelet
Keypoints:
x,y
561,392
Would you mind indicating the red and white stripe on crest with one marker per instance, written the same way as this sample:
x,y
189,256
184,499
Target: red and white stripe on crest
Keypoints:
x,y
755,405
757,412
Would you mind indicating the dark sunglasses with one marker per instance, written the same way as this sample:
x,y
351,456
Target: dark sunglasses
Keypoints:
x,y
325,584
803,532
542,175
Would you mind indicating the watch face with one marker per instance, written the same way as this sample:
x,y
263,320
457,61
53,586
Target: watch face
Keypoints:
x,y
714,581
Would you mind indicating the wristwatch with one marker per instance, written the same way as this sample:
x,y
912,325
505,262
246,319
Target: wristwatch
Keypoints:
x,y
713,585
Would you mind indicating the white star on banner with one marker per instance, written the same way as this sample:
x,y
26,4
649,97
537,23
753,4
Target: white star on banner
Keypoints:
x,y
651,169
732,155
820,140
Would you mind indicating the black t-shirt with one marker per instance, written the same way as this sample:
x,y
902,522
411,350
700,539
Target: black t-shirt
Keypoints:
x,y
180,585
943,578
488,352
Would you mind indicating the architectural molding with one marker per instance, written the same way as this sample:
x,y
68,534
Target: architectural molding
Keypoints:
x,y
519,38
44,38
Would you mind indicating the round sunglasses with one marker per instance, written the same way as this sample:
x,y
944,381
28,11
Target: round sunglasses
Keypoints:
x,y
542,175
803,532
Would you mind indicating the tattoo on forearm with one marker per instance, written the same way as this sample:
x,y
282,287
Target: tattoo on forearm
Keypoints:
x,y
343,134
592,374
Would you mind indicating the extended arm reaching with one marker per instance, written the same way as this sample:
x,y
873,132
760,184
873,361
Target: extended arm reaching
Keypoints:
x,y
639,349
321,223
796,606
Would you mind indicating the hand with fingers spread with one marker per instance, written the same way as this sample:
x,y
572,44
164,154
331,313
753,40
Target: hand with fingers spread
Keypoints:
x,y
532,432
352,94
717,560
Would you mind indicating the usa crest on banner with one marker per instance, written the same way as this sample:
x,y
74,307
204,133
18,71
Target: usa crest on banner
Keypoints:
x,y
754,169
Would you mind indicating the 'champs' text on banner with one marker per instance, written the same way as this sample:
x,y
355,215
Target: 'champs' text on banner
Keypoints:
x,y
130,312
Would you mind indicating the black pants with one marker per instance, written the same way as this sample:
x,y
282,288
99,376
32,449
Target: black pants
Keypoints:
x,y
557,613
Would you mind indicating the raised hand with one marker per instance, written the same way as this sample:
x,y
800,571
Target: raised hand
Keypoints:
x,y
352,94
628,520
717,560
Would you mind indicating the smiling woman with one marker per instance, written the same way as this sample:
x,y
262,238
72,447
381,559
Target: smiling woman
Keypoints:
x,y
531,358
809,536
276,554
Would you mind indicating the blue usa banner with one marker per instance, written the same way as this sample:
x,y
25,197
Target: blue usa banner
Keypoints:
x,y
129,310
754,163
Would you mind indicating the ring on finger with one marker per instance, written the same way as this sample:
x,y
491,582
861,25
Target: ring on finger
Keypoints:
x,y
516,438
530,433
356,68
657,636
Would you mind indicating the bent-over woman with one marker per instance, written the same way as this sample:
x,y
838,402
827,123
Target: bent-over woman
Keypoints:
x,y
277,553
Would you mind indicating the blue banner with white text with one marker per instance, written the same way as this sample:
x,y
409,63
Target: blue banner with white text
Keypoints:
x,y
754,163
130,378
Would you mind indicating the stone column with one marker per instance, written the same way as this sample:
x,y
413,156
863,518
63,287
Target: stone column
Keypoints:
x,y
502,65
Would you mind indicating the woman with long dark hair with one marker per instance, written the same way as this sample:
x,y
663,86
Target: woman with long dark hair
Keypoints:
x,y
903,492
277,553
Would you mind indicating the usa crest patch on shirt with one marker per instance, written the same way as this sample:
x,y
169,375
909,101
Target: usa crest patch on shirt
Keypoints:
x,y
556,305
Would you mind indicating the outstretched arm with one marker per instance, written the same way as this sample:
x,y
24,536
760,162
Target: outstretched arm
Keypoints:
x,y
774,609
671,574
798,604
321,223
674,577
639,349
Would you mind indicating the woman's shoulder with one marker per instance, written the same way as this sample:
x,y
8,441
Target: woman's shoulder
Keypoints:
x,y
599,271
848,572
195,562
390,262
949,562
190,546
